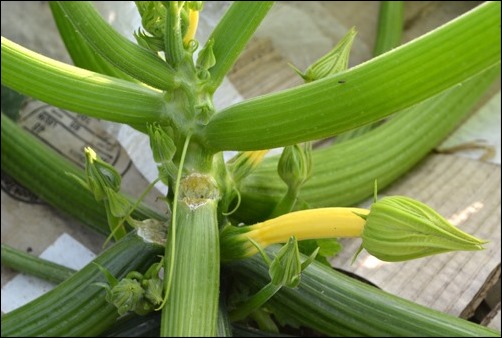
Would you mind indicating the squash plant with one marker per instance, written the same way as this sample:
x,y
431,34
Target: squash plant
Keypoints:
x,y
222,267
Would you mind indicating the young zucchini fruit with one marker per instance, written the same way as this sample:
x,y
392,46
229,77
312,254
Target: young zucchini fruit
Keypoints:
x,y
77,307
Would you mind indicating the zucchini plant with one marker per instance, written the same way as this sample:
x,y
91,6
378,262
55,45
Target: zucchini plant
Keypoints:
x,y
223,269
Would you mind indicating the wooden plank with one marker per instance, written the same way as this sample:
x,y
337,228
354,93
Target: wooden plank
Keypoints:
x,y
466,192
261,70
494,318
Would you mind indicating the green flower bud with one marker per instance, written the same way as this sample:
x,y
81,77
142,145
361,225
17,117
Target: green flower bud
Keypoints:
x,y
153,285
335,61
286,267
100,175
153,291
295,164
163,150
118,204
242,164
126,295
399,228
206,60
136,292
153,17
153,20
153,43
195,5
163,147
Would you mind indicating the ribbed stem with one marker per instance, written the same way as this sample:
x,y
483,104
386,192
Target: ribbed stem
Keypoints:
x,y
366,93
132,59
232,34
344,174
78,90
81,53
192,306
390,26
337,305
33,265
389,31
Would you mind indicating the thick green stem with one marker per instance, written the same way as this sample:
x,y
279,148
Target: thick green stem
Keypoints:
x,y
232,34
173,40
192,306
79,90
366,93
81,53
344,174
390,29
132,59
192,264
390,26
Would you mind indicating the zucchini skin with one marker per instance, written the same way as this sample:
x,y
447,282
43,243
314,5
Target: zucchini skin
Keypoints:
x,y
336,305
77,307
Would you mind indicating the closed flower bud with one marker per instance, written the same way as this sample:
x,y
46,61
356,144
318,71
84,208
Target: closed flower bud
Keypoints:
x,y
206,60
100,175
153,17
153,290
337,60
242,164
295,165
286,268
163,147
126,295
195,5
399,228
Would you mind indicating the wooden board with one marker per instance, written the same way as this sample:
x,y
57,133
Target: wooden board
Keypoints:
x,y
465,192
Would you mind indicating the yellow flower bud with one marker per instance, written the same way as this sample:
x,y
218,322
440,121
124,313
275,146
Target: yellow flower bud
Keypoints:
x,y
193,22
242,164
